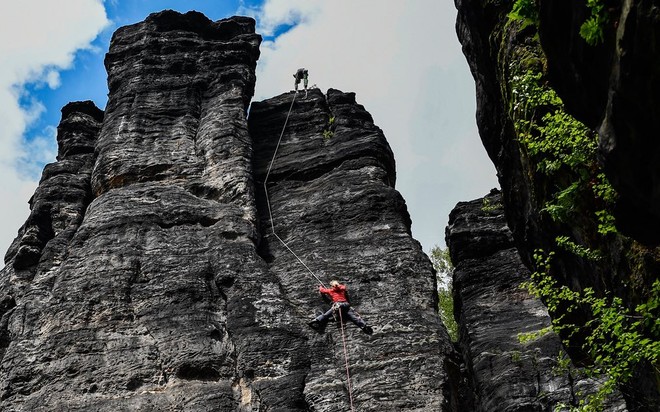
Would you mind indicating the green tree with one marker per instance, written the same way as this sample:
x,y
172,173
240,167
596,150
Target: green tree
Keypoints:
x,y
444,271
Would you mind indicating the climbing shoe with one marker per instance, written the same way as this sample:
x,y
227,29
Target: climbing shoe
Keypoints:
x,y
368,330
316,325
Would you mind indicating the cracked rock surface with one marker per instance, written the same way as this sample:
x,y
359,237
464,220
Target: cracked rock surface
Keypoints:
x,y
333,200
511,356
147,278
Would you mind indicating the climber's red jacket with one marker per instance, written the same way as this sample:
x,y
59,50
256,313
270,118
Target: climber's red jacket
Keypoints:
x,y
337,293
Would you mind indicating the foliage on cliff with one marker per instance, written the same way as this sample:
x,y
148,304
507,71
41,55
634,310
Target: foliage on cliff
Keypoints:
x,y
611,326
591,29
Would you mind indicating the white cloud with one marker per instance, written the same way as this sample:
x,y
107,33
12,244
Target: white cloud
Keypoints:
x,y
41,149
53,79
282,12
404,62
39,38
402,58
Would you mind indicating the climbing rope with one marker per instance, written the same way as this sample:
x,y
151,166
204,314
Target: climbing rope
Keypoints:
x,y
272,227
270,212
348,374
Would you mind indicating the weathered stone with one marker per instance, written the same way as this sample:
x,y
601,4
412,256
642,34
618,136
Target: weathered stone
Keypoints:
x,y
612,87
58,205
148,278
131,317
477,22
170,293
79,129
331,189
177,105
497,50
493,311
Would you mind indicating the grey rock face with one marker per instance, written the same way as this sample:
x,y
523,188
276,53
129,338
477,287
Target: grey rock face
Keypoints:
x,y
147,278
477,21
504,374
497,50
612,87
140,313
57,210
334,204
58,206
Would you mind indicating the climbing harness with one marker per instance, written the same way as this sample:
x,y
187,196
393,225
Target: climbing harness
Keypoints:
x,y
272,227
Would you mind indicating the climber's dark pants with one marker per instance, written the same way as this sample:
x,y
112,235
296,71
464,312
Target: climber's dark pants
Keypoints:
x,y
347,312
298,79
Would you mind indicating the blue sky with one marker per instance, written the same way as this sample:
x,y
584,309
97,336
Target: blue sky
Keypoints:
x,y
402,59
86,79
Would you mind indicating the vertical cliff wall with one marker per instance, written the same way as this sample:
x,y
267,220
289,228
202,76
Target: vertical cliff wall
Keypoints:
x,y
512,357
553,207
333,199
147,278
612,86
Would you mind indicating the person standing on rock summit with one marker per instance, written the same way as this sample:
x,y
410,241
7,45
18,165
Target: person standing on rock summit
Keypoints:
x,y
299,75
340,303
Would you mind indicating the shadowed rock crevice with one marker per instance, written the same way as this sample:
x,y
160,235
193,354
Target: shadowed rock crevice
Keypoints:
x,y
610,86
493,310
197,372
7,304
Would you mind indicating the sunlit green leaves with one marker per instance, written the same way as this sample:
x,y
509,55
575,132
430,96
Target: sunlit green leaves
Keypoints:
x,y
551,136
442,264
618,338
591,30
526,11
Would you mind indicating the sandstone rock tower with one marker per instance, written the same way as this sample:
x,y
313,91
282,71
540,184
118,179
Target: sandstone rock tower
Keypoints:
x,y
146,277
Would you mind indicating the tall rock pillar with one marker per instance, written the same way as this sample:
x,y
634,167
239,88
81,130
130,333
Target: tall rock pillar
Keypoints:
x,y
331,189
147,277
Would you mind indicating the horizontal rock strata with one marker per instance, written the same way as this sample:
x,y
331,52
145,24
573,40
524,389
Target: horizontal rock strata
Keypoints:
x,y
511,355
147,278
331,189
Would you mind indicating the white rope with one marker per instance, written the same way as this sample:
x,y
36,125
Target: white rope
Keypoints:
x,y
270,213
348,374
272,227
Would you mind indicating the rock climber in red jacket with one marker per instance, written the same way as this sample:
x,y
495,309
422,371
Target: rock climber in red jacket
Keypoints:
x,y
340,302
